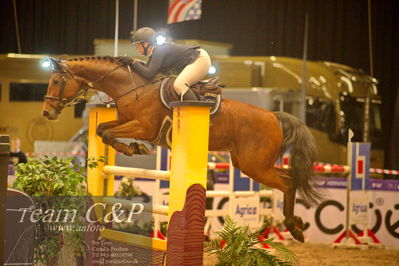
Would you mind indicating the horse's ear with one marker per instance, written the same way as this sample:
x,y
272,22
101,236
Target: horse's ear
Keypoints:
x,y
55,64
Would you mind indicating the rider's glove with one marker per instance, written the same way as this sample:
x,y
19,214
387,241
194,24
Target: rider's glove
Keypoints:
x,y
126,60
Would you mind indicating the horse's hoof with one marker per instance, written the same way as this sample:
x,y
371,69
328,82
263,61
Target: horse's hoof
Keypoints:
x,y
299,223
295,226
123,148
143,149
99,131
129,150
139,148
298,235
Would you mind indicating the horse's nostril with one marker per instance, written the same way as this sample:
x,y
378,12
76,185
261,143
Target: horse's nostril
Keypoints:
x,y
46,113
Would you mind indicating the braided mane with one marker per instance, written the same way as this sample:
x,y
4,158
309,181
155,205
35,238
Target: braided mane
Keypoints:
x,y
104,58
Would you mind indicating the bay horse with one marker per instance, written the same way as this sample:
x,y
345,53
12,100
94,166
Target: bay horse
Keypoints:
x,y
254,137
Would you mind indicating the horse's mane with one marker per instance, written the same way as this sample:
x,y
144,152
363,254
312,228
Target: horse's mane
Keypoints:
x,y
103,58
110,59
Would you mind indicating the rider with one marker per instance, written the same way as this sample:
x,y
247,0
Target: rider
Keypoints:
x,y
189,63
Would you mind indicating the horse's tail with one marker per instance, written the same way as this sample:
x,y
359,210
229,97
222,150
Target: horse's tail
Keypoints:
x,y
302,146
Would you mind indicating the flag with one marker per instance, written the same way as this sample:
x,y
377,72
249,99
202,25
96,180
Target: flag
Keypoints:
x,y
181,10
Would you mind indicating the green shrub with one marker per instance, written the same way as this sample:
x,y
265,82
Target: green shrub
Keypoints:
x,y
236,245
54,184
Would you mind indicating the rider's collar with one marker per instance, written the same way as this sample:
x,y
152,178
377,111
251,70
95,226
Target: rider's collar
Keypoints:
x,y
150,50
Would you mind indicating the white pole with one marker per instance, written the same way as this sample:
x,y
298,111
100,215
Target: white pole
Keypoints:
x,y
116,27
135,4
304,71
157,194
231,189
349,184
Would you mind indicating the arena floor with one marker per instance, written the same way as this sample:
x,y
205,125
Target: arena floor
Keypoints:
x,y
322,254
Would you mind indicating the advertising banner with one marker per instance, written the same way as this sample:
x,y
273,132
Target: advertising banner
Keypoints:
x,y
325,222
358,207
245,211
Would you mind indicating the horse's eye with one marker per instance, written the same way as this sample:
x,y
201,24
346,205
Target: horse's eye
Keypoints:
x,y
55,81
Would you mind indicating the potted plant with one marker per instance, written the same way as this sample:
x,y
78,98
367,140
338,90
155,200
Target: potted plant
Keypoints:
x,y
54,184
237,245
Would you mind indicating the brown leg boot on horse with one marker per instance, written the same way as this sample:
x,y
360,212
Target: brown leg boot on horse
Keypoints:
x,y
132,148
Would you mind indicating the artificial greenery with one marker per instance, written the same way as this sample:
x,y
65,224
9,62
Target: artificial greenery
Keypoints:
x,y
237,245
128,190
135,227
50,177
55,184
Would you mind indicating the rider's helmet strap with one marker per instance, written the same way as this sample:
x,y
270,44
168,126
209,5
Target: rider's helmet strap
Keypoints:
x,y
145,48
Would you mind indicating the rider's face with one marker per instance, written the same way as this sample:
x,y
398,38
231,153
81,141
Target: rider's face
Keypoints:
x,y
139,47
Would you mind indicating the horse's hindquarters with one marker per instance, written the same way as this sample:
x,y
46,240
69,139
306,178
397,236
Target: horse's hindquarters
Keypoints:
x,y
251,134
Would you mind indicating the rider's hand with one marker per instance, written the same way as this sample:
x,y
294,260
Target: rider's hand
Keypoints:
x,y
126,60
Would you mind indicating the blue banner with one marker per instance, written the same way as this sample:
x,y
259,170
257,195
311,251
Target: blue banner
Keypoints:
x,y
360,165
164,165
243,182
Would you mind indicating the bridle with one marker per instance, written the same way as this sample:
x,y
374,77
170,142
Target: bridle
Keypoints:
x,y
80,95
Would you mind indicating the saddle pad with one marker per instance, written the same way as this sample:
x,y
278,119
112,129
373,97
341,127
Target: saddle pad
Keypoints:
x,y
168,95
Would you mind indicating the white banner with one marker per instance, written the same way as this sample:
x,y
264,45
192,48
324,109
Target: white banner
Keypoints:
x,y
245,210
358,207
325,222
278,206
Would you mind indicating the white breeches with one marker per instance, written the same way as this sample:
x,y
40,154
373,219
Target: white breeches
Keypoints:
x,y
193,72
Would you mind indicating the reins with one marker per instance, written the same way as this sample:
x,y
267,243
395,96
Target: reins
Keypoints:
x,y
137,87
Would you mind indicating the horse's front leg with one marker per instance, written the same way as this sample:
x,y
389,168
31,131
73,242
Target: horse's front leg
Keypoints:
x,y
103,126
293,223
131,129
133,148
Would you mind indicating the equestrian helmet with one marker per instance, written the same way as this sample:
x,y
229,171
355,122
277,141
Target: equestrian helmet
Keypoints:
x,y
145,34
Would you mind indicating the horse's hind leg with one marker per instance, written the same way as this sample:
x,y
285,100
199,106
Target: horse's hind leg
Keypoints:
x,y
277,179
293,223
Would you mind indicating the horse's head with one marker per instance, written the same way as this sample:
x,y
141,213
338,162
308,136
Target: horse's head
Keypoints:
x,y
64,89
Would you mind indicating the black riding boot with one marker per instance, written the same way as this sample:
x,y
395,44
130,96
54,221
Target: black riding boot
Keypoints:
x,y
189,96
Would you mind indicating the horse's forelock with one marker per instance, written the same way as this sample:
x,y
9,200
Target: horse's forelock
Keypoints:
x,y
56,64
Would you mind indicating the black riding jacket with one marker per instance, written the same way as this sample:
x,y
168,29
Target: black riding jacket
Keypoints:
x,y
169,58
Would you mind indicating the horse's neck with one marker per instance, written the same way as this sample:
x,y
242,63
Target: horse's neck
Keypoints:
x,y
115,83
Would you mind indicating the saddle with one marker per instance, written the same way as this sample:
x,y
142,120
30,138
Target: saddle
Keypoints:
x,y
205,90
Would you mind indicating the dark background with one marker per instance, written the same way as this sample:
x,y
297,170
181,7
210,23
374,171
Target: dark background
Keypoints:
x,y
338,32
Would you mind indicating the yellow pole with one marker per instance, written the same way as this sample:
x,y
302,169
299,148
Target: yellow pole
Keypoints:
x,y
188,175
98,183
189,162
